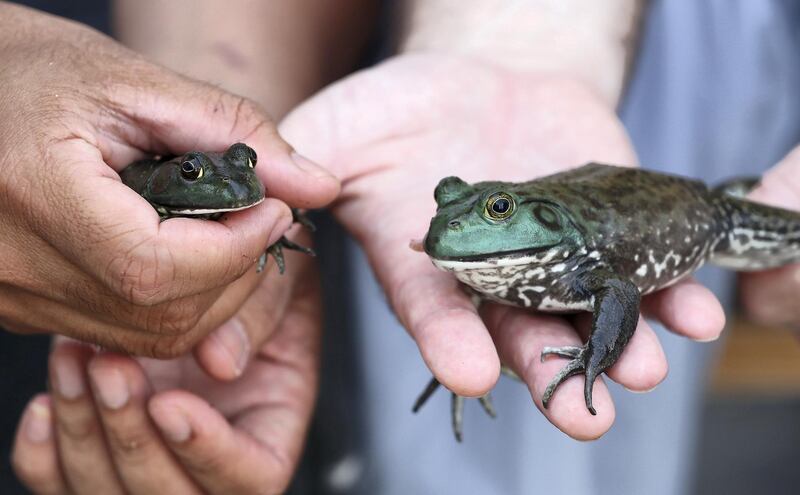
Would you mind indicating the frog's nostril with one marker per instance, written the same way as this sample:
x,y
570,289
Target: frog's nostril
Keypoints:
x,y
225,178
454,224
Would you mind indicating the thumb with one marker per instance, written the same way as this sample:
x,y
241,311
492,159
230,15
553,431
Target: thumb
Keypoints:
x,y
187,115
780,185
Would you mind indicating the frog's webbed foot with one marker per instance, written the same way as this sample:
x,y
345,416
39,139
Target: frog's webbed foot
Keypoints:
x,y
576,366
456,406
614,318
276,250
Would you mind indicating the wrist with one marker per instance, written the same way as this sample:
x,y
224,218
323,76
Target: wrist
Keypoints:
x,y
582,40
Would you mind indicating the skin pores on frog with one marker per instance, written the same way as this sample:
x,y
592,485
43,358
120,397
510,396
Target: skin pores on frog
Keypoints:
x,y
596,239
206,185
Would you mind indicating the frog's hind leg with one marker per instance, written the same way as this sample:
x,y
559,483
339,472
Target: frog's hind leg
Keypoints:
x,y
615,315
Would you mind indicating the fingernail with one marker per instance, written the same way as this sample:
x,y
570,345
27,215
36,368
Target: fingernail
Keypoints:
x,y
235,344
111,386
68,378
173,424
308,166
38,426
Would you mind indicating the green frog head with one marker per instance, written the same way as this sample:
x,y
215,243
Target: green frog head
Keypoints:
x,y
497,222
198,183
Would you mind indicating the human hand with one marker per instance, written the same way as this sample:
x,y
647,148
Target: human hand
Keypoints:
x,y
392,132
83,254
769,296
179,431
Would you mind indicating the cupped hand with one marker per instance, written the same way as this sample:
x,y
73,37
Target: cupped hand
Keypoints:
x,y
112,424
83,254
392,132
770,296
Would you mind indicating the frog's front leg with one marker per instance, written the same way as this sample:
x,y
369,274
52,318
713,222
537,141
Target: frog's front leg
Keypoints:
x,y
456,406
616,313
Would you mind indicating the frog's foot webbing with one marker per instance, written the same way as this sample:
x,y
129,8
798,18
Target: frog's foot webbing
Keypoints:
x,y
276,250
577,365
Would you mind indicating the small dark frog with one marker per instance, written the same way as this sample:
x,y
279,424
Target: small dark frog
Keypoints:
x,y
206,185
596,239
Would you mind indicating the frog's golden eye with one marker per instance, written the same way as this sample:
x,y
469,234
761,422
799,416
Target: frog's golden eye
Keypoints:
x,y
252,159
192,169
499,206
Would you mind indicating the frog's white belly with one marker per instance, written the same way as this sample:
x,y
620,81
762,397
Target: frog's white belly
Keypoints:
x,y
525,282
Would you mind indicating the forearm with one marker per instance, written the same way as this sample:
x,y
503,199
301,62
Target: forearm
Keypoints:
x,y
276,52
585,39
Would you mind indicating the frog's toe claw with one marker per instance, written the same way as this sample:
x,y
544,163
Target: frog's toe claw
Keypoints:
x,y
456,406
287,244
486,402
426,394
568,351
457,411
277,253
574,367
303,220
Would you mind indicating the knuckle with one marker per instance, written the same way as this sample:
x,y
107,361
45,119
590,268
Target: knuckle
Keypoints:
x,y
143,275
175,318
131,444
80,429
171,347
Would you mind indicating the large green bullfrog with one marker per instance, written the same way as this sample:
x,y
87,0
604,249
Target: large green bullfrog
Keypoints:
x,y
597,238
206,185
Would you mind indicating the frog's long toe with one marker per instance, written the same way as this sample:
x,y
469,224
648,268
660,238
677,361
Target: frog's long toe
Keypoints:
x,y
576,366
456,406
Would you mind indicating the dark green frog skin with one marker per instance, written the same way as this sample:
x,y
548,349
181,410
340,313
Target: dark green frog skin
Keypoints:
x,y
596,239
205,185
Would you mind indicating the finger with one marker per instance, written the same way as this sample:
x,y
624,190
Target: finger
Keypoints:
x,y
276,400
642,364
687,308
770,297
81,446
520,337
173,333
780,185
218,457
143,462
35,458
224,354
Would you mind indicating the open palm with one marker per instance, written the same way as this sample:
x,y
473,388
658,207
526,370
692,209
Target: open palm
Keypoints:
x,y
392,132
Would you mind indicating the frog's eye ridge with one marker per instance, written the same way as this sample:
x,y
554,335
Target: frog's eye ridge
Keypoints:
x,y
499,206
191,169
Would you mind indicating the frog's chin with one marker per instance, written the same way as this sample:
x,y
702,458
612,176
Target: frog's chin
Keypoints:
x,y
190,212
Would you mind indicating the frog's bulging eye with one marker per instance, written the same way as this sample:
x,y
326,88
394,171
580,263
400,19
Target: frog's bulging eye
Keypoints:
x,y
191,169
499,206
252,159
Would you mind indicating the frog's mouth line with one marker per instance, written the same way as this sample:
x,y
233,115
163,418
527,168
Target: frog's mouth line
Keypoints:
x,y
507,258
208,211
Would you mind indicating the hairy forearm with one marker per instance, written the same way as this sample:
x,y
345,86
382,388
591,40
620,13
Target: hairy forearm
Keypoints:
x,y
276,52
587,39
